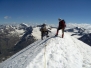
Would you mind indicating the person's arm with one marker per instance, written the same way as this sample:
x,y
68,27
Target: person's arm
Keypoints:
x,y
64,25
59,24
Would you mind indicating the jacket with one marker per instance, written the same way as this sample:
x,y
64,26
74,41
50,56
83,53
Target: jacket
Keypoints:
x,y
62,24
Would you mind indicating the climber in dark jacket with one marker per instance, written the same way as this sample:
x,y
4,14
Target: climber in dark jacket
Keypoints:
x,y
62,26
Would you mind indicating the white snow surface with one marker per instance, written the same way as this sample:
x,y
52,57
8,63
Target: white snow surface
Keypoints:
x,y
52,52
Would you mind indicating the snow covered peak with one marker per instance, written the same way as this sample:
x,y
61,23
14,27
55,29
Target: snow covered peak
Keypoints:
x,y
23,24
52,52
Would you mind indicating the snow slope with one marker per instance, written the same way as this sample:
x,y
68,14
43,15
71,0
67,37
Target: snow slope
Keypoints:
x,y
52,52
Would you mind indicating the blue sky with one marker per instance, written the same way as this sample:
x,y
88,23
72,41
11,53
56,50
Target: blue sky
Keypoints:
x,y
45,11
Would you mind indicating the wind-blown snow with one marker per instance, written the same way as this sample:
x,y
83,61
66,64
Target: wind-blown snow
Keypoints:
x,y
52,52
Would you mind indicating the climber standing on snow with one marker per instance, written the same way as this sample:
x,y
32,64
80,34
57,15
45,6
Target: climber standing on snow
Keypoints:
x,y
44,31
62,26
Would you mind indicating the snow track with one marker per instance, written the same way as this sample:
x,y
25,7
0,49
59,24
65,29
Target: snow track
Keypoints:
x,y
24,55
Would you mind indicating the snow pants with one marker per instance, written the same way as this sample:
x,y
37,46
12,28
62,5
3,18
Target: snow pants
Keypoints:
x,y
44,33
62,31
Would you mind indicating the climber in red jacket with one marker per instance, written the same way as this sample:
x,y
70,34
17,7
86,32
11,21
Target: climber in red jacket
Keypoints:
x,y
62,26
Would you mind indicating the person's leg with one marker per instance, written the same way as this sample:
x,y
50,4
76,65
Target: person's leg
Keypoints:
x,y
47,33
58,31
62,32
42,35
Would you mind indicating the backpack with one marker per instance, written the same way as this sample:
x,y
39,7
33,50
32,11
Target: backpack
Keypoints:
x,y
62,24
43,28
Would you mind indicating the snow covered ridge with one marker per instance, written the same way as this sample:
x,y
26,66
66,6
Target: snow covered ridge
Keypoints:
x,y
86,38
52,52
12,29
80,31
10,35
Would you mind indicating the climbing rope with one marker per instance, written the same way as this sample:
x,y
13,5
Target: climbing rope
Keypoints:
x,y
45,57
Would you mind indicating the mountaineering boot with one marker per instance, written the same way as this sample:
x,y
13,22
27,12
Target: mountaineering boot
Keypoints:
x,y
56,35
47,36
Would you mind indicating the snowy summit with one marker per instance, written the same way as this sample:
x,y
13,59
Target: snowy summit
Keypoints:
x,y
52,52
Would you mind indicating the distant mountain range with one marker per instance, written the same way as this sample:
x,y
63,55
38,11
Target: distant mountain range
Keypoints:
x,y
85,34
